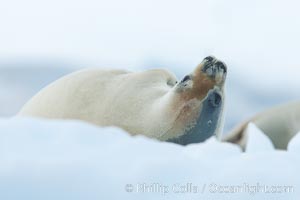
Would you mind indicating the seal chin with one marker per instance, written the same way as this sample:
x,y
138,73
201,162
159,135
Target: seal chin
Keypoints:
x,y
207,122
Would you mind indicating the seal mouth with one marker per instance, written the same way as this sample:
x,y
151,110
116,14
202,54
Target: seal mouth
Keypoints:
x,y
207,122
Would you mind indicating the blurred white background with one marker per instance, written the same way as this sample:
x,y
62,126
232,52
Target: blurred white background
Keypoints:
x,y
259,40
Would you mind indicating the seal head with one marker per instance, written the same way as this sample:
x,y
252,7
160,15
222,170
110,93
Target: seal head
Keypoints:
x,y
205,90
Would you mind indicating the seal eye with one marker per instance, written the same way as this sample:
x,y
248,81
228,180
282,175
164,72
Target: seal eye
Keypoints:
x,y
186,78
215,99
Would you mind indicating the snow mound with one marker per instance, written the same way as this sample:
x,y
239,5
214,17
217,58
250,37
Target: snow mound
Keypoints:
x,y
294,145
257,140
49,159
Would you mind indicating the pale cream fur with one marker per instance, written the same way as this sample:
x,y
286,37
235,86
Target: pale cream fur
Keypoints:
x,y
151,102
280,124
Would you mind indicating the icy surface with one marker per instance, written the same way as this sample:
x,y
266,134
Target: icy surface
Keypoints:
x,y
294,145
257,141
43,159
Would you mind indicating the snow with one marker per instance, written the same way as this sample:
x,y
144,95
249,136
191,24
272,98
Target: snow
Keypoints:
x,y
294,145
51,159
257,141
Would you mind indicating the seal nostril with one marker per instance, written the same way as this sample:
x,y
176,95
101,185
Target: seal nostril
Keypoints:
x,y
221,65
209,58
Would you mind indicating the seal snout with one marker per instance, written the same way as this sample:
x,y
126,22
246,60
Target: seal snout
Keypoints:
x,y
213,67
221,66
